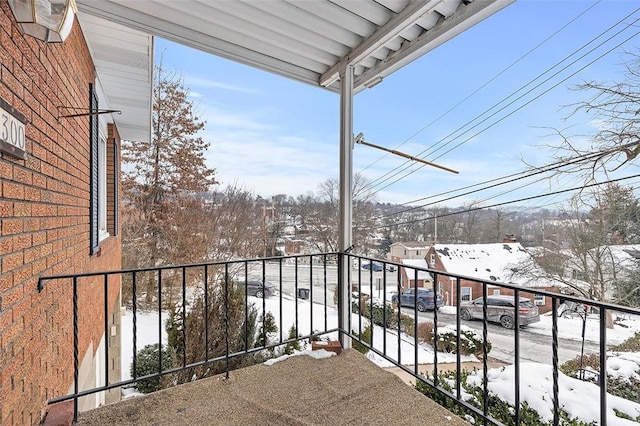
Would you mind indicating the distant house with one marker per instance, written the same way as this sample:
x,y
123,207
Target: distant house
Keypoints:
x,y
408,250
412,277
490,262
294,246
602,267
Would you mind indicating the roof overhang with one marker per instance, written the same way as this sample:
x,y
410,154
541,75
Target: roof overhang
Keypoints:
x,y
309,41
123,59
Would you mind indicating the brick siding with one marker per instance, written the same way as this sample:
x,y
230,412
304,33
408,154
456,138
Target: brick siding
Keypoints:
x,y
44,222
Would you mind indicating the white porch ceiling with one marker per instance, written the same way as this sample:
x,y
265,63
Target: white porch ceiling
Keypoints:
x,y
305,40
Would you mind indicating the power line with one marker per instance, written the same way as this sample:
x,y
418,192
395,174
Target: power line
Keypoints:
x,y
513,111
582,187
520,175
400,168
491,80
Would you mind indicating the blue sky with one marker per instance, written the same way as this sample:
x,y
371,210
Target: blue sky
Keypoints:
x,y
271,135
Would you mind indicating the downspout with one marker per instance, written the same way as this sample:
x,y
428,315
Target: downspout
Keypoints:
x,y
346,197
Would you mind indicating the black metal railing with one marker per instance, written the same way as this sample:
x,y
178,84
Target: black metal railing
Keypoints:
x,y
222,292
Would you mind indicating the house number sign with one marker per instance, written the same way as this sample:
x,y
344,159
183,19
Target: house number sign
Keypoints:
x,y
12,131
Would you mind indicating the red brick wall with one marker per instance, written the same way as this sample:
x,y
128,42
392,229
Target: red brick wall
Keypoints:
x,y
44,222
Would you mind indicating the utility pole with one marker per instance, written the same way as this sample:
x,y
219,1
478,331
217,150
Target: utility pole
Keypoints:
x,y
435,229
264,231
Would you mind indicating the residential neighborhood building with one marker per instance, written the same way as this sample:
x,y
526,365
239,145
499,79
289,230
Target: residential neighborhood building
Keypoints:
x,y
408,250
597,270
491,262
412,277
59,185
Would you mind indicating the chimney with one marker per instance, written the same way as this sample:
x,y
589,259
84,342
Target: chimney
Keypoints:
x,y
509,238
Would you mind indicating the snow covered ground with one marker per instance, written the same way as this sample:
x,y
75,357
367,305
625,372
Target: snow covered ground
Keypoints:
x,y
580,399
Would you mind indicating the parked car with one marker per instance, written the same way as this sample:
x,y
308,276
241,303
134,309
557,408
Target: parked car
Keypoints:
x,y
372,266
427,299
501,309
257,288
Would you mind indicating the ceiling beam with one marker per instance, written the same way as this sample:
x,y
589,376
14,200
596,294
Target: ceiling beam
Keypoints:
x,y
384,34
464,18
467,15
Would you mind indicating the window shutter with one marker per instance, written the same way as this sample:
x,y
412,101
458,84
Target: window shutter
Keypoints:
x,y
93,173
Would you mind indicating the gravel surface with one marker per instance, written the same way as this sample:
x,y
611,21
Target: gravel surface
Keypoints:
x,y
301,390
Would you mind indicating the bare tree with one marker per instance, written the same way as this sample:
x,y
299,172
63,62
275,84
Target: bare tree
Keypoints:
x,y
470,222
325,220
592,228
162,180
614,106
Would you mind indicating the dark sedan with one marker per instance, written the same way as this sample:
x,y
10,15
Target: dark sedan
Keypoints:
x,y
258,289
427,299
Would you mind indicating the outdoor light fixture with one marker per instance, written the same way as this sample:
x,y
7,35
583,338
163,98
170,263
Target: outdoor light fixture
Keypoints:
x,y
47,20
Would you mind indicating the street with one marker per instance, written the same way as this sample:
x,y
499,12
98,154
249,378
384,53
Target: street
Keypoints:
x,y
533,347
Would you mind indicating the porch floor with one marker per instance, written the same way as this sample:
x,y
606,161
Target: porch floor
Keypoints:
x,y
344,389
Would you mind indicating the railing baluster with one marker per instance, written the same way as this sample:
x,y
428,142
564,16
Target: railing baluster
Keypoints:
x,y
371,303
76,366
134,291
184,317
295,271
399,312
326,324
384,313
415,320
311,294
106,329
206,313
485,373
516,361
360,298
226,318
603,365
554,360
264,303
458,360
347,288
280,298
160,321
246,301
435,330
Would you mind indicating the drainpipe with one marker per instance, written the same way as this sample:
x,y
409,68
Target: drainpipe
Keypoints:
x,y
346,197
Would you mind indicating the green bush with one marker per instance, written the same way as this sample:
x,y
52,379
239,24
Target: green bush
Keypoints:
x,y
292,346
407,324
270,327
147,363
470,341
365,336
379,314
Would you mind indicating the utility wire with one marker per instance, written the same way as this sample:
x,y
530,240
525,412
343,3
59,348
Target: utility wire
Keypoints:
x,y
491,80
512,178
513,101
406,165
515,110
512,201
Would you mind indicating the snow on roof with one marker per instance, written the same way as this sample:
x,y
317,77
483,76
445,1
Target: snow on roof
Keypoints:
x,y
490,262
626,255
417,263
415,245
